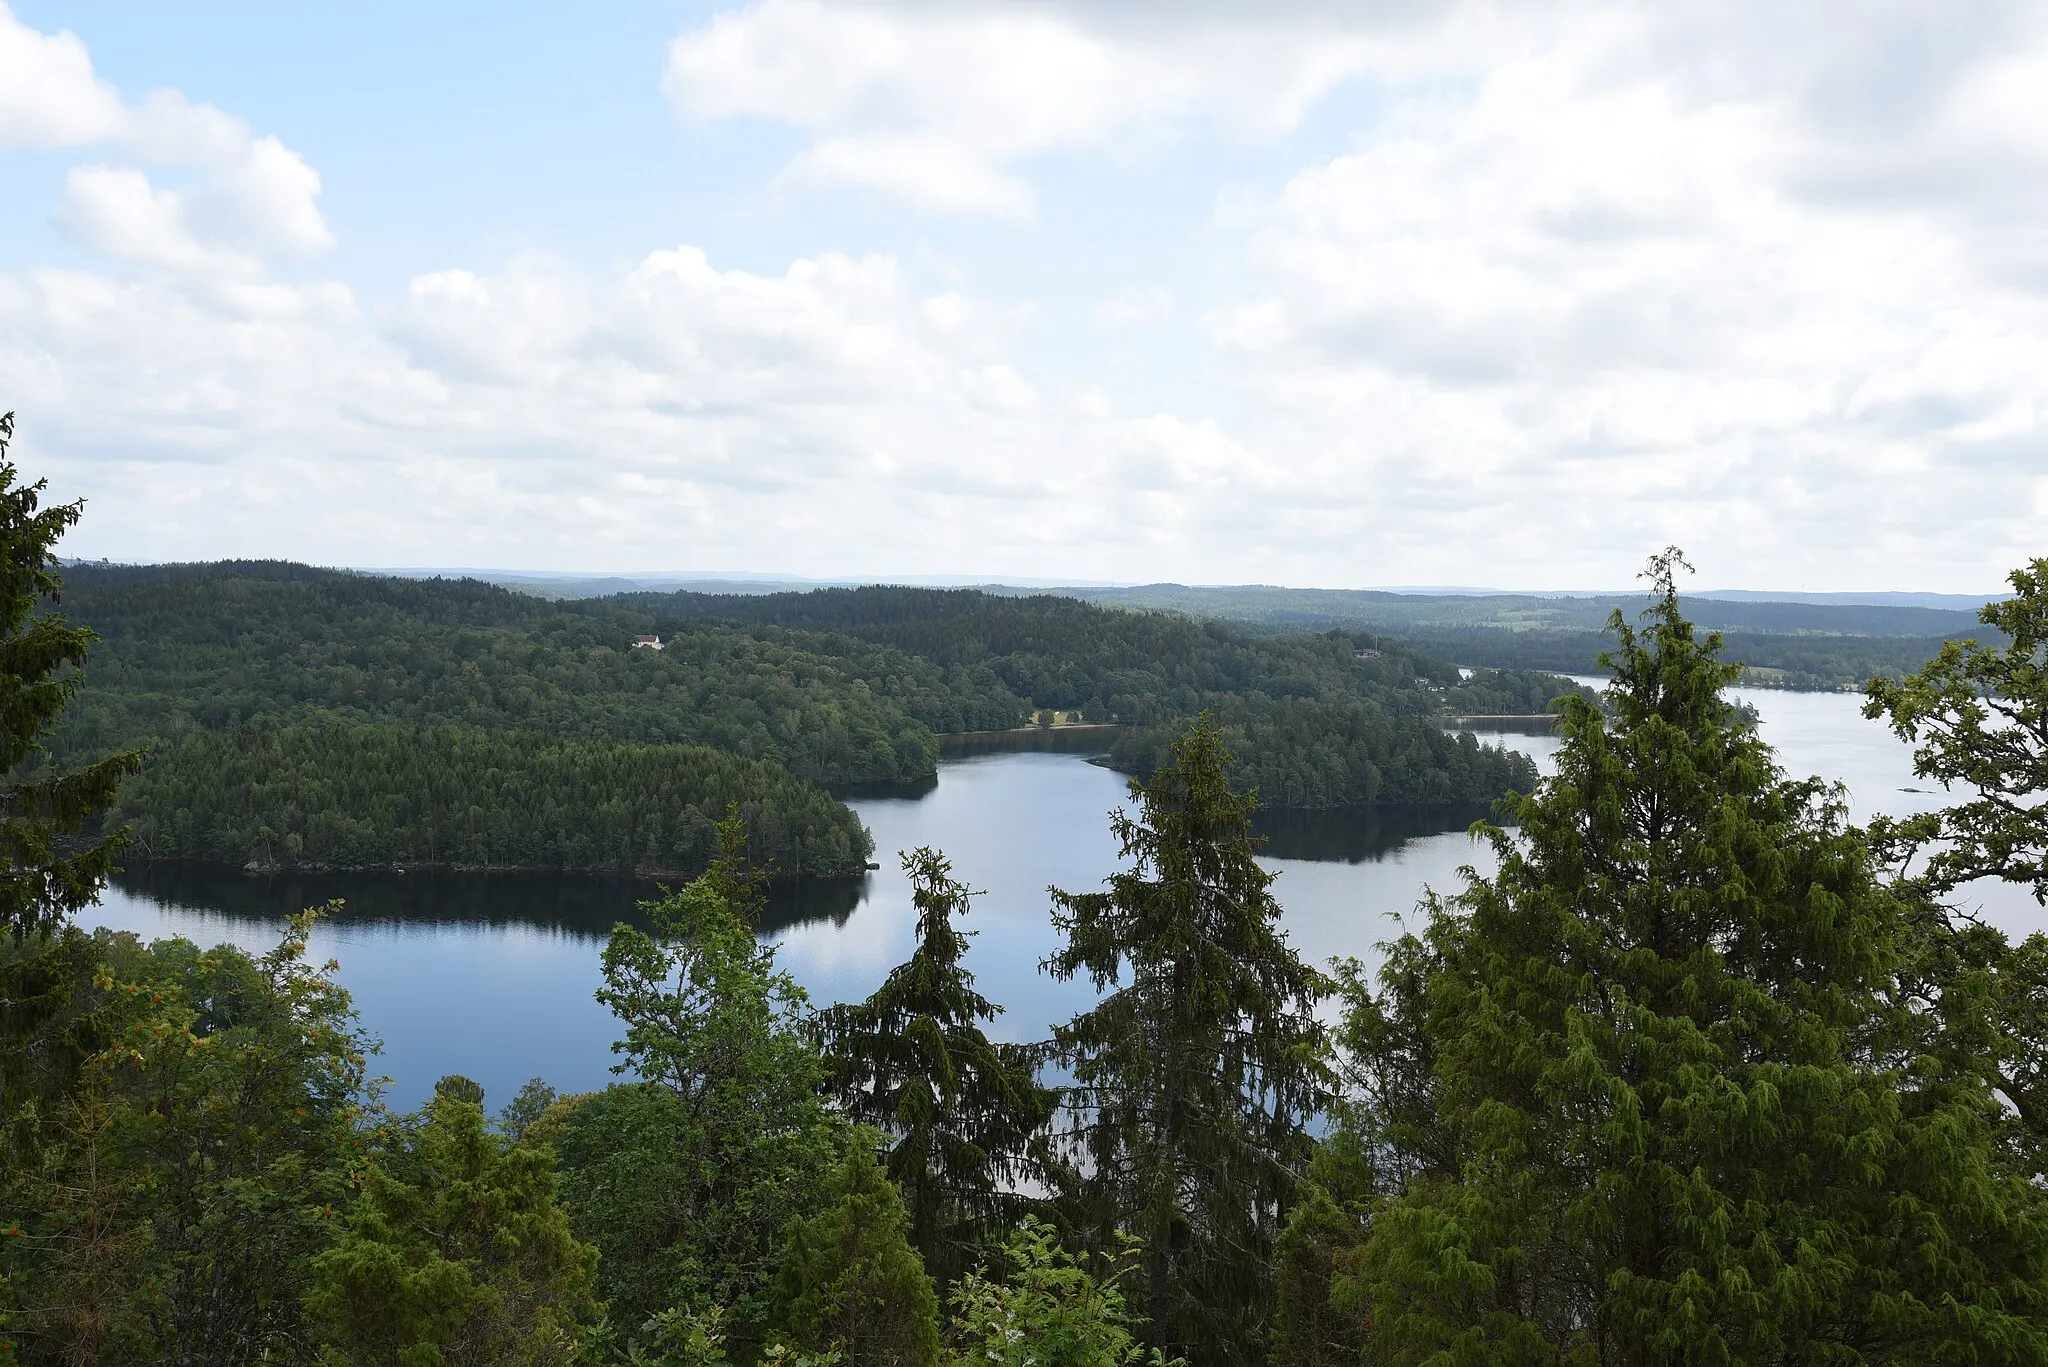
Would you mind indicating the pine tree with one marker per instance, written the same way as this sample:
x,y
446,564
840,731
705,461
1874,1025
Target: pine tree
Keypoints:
x,y
1196,1075
850,1282
48,874
1690,1117
965,1116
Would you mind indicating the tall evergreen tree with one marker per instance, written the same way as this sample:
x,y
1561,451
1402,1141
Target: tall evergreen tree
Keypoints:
x,y
1195,1077
47,877
1688,1116
965,1116
51,1023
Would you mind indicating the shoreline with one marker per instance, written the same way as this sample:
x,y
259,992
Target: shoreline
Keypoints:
x,y
258,869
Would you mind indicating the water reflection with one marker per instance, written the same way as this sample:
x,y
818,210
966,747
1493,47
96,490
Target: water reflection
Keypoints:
x,y
493,975
1359,835
1049,740
581,906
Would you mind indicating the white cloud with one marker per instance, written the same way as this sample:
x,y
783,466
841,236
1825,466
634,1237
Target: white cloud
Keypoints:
x,y
829,414
1587,302
119,212
936,104
49,96
1138,306
1585,280
241,197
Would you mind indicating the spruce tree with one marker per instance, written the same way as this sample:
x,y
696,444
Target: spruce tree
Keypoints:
x,y
50,872
1691,1117
50,1024
965,1116
1195,1077
850,1282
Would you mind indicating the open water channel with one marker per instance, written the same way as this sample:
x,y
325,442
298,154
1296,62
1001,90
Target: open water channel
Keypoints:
x,y
492,975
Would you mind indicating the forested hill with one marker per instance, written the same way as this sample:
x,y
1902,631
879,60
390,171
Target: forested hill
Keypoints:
x,y
1794,644
1118,665
224,669
215,646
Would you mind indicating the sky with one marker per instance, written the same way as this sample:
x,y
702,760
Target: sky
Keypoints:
x,y
1412,292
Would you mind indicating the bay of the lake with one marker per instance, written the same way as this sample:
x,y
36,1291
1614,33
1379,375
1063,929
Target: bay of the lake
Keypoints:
x,y
492,976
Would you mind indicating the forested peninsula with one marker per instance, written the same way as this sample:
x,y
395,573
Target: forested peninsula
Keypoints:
x,y
296,716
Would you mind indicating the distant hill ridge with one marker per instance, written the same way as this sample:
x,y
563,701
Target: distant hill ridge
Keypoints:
x,y
1382,609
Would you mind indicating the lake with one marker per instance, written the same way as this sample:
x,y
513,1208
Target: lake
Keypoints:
x,y
492,975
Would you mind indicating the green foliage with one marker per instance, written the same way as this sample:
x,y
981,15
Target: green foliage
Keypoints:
x,y
46,877
1316,1251
676,1338
850,1283
455,1252
669,1338
686,1179
1323,754
378,794
1682,1111
1195,1077
209,647
196,1163
1141,668
965,1115
1979,715
527,1106
1050,1311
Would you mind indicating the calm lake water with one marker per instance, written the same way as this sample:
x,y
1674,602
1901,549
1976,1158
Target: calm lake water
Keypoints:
x,y
492,975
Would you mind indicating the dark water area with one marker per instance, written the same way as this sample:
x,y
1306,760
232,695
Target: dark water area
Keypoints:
x,y
492,975
1356,835
575,904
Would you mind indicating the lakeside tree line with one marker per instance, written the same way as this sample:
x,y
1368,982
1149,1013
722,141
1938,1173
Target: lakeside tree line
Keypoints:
x,y
1701,1074
288,712
376,794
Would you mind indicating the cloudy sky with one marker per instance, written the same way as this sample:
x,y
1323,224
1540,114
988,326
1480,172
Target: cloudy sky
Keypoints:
x,y
1412,292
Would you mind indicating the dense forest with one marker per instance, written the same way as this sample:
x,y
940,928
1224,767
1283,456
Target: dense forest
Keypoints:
x,y
1688,982
213,646
377,794
244,681
1698,1072
1313,755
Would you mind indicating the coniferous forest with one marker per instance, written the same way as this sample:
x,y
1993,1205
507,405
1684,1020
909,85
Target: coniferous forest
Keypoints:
x,y
302,717
1702,1074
